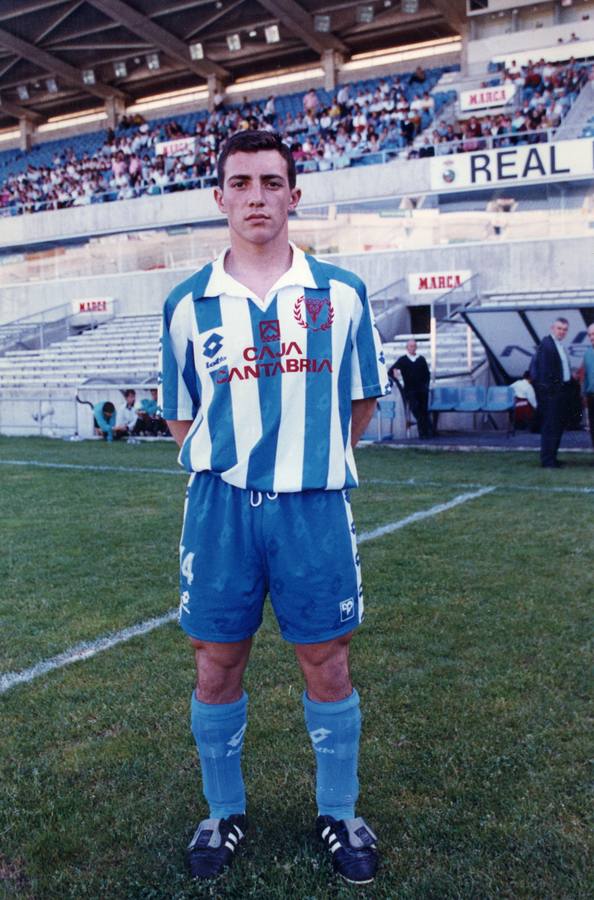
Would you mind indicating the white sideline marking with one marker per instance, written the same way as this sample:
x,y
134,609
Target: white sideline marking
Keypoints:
x,y
422,514
88,468
91,648
537,488
405,482
83,651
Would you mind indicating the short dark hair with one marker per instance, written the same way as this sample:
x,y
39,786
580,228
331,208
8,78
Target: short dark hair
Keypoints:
x,y
562,319
254,142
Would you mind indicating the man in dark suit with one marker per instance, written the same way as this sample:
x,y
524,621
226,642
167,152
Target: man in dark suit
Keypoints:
x,y
415,375
552,379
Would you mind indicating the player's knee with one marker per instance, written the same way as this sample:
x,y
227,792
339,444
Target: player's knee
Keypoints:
x,y
326,669
220,669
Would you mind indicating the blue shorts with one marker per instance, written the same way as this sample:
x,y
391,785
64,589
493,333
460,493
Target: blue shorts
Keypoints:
x,y
238,545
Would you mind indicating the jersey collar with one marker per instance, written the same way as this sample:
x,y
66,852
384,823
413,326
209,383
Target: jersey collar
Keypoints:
x,y
299,274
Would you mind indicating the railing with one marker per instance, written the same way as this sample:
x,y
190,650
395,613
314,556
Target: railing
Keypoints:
x,y
444,307
36,331
389,308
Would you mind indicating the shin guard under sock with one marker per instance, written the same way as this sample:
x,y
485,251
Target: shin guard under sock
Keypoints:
x,y
218,730
334,729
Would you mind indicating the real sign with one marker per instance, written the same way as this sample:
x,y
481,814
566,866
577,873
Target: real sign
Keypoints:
x,y
480,98
436,282
519,165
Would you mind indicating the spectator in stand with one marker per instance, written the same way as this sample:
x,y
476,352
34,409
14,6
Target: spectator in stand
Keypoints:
x,y
311,102
418,76
270,110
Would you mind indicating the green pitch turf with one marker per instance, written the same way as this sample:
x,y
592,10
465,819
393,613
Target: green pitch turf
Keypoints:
x,y
472,665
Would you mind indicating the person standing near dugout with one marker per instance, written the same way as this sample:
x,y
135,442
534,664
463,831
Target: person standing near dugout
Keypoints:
x,y
271,366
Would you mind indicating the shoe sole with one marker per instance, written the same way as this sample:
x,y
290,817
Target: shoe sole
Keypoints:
x,y
350,880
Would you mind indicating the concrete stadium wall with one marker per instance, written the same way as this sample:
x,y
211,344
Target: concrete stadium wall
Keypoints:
x,y
505,266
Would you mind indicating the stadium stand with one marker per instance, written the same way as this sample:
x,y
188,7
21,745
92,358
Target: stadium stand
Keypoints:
x,y
123,350
374,120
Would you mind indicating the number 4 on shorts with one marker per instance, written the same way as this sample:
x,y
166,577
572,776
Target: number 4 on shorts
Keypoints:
x,y
187,562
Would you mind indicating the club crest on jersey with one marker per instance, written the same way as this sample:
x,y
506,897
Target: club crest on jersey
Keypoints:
x,y
317,313
270,330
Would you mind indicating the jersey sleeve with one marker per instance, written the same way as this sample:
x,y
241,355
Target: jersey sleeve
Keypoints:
x,y
369,377
179,394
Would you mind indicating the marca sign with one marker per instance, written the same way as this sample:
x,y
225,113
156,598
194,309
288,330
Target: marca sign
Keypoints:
x,y
436,282
176,148
513,165
485,97
100,305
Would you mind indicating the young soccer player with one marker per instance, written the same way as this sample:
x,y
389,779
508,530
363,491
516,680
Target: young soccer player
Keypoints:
x,y
270,368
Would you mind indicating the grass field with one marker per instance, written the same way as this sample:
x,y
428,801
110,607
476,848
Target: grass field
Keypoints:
x,y
473,668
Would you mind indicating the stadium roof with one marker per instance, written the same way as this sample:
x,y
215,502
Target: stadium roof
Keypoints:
x,y
48,48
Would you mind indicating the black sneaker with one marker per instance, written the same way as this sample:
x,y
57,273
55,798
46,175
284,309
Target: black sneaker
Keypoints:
x,y
214,844
352,845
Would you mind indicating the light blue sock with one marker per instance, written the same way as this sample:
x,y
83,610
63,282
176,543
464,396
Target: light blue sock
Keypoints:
x,y
218,730
334,729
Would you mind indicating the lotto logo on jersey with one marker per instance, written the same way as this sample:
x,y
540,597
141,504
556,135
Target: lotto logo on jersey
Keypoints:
x,y
316,314
212,345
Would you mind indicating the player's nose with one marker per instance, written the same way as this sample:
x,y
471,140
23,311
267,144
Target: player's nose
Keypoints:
x,y
256,197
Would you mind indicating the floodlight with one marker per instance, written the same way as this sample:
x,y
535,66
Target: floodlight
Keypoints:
x,y
196,51
410,7
88,76
51,85
153,62
23,92
272,34
120,69
233,42
322,24
365,14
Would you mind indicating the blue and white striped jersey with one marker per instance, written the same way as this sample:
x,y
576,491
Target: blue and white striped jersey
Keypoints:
x,y
269,383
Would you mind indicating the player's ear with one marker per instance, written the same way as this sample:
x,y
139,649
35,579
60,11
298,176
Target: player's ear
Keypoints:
x,y
295,198
218,195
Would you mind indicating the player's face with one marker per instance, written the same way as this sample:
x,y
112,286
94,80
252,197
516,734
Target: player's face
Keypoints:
x,y
256,197
411,347
559,330
591,334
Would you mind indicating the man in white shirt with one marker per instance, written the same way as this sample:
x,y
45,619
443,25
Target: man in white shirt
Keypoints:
x,y
526,402
126,416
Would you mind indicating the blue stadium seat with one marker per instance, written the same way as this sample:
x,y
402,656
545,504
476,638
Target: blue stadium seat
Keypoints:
x,y
381,426
500,398
444,399
471,399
